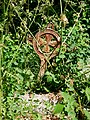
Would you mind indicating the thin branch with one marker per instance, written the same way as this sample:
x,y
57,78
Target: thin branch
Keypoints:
x,y
69,34
61,6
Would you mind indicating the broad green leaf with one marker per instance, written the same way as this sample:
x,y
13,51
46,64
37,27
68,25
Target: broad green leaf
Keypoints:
x,y
57,49
65,96
47,73
57,59
62,56
69,99
28,72
58,108
15,63
20,76
18,70
49,78
87,114
27,83
87,91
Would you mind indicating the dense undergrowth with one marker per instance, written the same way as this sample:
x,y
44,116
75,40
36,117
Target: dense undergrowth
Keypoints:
x,y
68,72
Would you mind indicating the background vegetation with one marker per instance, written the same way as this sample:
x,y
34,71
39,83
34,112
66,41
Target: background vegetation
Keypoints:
x,y
68,72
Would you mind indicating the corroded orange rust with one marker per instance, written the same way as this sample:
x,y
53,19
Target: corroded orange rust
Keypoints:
x,y
44,40
54,44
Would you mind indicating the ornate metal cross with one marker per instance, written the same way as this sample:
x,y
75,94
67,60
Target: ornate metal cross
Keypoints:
x,y
45,44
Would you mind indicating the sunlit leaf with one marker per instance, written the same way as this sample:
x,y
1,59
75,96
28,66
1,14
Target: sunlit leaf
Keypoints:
x,y
49,78
87,91
58,108
87,114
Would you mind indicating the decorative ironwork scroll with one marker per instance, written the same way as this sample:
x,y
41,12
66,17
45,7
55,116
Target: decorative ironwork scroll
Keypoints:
x,y
45,44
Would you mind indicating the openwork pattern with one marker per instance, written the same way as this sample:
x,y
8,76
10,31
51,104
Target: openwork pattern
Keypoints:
x,y
45,45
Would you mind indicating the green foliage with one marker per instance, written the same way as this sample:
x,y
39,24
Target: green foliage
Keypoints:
x,y
87,91
58,108
70,105
68,72
87,114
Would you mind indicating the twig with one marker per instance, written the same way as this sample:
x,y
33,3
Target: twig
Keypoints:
x,y
61,6
73,26
69,33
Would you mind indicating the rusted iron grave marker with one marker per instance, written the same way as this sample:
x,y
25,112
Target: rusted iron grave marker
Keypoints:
x,y
45,44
